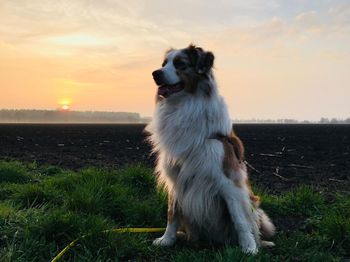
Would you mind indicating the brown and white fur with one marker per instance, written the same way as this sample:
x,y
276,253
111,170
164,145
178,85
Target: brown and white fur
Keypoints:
x,y
200,159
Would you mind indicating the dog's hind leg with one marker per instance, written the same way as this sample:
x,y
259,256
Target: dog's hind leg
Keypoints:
x,y
173,223
238,204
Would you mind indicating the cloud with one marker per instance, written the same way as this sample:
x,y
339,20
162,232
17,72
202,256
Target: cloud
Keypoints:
x,y
341,13
306,17
340,20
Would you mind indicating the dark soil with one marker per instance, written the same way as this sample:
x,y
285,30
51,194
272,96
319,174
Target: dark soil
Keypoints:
x,y
279,156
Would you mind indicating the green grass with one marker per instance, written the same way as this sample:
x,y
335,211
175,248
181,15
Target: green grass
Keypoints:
x,y
44,208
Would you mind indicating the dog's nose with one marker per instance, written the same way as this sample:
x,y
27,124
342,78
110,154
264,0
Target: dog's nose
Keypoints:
x,y
157,74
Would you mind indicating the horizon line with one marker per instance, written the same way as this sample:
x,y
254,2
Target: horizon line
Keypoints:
x,y
284,120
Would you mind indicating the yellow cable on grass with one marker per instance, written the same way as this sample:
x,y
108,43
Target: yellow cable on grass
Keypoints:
x,y
117,230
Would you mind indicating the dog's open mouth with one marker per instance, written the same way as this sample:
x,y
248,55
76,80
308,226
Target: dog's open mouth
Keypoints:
x,y
168,90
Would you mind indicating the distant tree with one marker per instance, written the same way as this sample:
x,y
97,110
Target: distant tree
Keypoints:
x,y
334,121
324,120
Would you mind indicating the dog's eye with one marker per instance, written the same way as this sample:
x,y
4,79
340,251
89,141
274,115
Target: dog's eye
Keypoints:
x,y
164,63
179,64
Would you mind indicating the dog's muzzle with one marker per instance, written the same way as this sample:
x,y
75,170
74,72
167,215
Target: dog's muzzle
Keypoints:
x,y
164,89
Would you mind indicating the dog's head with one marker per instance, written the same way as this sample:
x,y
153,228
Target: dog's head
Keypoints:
x,y
184,71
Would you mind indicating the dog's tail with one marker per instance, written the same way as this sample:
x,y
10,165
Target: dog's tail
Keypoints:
x,y
267,228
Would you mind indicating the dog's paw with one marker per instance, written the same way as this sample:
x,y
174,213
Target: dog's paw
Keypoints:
x,y
267,244
249,246
164,241
250,250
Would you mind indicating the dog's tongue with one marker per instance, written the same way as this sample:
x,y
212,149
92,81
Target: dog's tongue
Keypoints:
x,y
166,91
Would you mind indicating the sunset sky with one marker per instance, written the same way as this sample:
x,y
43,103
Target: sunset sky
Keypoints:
x,y
274,59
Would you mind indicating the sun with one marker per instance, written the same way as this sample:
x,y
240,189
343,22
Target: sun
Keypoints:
x,y
65,107
64,104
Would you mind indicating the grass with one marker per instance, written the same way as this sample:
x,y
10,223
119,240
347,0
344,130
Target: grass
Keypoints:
x,y
44,208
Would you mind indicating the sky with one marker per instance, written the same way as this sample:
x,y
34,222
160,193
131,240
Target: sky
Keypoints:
x,y
273,59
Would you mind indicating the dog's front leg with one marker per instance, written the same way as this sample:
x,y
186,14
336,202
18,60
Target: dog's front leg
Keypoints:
x,y
236,201
173,222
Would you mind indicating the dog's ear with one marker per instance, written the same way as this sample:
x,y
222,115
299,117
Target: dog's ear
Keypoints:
x,y
202,61
205,62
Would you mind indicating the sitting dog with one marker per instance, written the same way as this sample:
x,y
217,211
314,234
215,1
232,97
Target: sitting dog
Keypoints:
x,y
200,159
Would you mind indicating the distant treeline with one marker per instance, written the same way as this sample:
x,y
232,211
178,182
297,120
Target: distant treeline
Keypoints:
x,y
58,116
323,120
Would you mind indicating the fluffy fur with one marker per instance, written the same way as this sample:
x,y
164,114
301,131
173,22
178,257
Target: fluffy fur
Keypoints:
x,y
200,160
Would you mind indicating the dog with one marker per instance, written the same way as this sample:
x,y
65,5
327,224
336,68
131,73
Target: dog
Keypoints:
x,y
200,160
